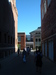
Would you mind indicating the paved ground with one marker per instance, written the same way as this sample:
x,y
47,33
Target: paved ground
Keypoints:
x,y
13,65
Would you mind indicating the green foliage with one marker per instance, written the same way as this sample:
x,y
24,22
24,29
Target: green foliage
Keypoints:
x,y
18,45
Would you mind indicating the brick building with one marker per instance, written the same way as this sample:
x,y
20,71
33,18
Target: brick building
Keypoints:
x,y
48,28
7,29
21,40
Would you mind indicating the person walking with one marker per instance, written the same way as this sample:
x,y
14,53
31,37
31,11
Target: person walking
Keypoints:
x,y
39,61
24,55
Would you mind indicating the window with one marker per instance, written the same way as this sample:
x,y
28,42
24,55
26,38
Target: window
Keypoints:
x,y
11,40
8,39
48,2
19,38
0,37
44,9
36,40
5,38
42,12
39,40
45,6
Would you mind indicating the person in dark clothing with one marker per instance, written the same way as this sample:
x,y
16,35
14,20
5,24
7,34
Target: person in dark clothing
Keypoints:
x,y
24,55
28,50
39,61
36,55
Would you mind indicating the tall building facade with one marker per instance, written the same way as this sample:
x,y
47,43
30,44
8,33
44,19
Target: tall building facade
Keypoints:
x,y
36,36
15,15
8,29
48,28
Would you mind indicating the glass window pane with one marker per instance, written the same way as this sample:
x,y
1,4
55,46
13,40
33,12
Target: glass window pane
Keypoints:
x,y
45,6
42,13
48,2
19,38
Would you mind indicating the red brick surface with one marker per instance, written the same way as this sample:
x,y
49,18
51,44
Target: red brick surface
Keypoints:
x,y
23,40
48,25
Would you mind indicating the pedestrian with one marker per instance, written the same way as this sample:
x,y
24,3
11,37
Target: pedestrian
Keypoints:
x,y
28,50
24,55
36,55
39,61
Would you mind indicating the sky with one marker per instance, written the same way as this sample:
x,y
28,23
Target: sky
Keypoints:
x,y
29,15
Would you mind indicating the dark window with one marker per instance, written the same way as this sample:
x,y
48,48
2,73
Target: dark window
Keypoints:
x,y
39,40
11,40
8,39
0,37
5,38
36,40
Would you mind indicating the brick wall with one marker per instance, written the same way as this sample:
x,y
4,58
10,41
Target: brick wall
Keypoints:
x,y
49,21
48,25
23,40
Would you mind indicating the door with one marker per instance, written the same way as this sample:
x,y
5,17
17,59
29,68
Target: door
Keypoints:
x,y
51,55
46,49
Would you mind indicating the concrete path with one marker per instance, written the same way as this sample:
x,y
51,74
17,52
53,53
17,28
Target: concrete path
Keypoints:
x,y
14,65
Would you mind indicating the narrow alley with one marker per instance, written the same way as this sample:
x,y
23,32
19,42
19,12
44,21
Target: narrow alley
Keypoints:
x,y
13,65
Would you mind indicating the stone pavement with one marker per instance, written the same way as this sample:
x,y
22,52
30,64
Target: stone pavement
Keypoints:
x,y
13,65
